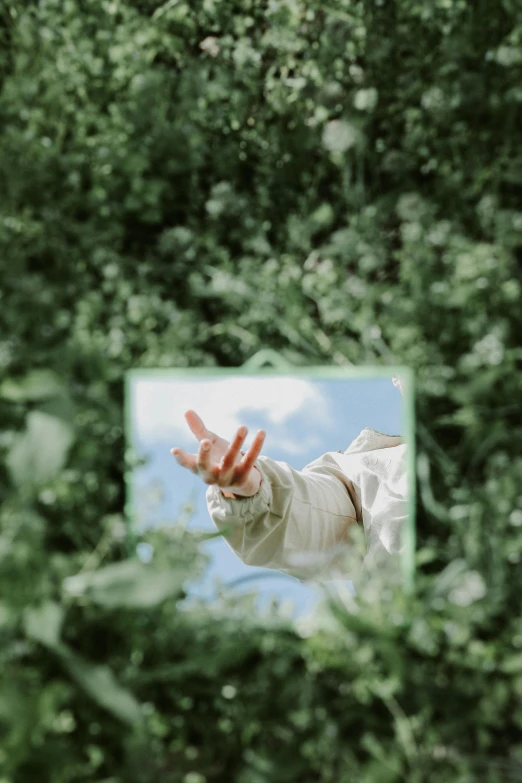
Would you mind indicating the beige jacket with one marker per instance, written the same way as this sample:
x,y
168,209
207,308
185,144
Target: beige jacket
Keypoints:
x,y
300,522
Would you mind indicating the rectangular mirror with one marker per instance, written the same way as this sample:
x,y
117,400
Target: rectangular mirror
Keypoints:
x,y
336,475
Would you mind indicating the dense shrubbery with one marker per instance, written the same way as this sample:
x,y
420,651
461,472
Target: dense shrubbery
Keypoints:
x,y
182,186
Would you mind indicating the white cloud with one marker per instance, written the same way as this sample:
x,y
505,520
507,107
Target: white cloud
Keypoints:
x,y
158,406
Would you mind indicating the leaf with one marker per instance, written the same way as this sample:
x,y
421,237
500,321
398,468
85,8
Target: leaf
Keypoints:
x,y
40,452
450,576
322,217
340,135
460,585
36,385
43,623
128,584
61,407
101,684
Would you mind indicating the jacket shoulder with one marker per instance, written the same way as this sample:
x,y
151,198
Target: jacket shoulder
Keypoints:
x,y
369,439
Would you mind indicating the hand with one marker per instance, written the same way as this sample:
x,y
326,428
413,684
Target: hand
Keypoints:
x,y
220,462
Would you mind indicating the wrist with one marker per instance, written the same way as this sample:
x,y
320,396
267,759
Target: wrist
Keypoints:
x,y
249,492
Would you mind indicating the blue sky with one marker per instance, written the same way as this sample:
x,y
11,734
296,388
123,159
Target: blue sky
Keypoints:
x,y
303,417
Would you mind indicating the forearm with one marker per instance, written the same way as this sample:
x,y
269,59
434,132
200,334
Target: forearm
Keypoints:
x,y
293,523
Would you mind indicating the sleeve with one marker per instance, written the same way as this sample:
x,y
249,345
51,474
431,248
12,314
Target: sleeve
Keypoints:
x,y
296,522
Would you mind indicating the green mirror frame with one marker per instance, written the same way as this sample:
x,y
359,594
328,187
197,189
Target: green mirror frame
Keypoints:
x,y
268,362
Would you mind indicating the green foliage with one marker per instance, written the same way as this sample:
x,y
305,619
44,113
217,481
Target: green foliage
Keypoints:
x,y
183,185
128,583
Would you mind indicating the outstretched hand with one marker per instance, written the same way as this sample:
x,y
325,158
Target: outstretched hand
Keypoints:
x,y
220,462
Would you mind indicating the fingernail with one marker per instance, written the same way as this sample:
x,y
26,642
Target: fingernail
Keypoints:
x,y
175,452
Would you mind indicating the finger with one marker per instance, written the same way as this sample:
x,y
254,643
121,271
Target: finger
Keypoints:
x,y
196,424
233,450
208,473
246,464
185,459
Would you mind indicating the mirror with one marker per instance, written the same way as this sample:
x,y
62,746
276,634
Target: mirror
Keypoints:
x,y
334,503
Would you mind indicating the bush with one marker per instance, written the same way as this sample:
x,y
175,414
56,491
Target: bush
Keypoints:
x,y
183,185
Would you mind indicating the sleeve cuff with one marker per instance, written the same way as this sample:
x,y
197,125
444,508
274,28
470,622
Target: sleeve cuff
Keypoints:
x,y
243,506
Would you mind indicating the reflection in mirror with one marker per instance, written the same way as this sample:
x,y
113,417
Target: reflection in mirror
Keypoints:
x,y
305,475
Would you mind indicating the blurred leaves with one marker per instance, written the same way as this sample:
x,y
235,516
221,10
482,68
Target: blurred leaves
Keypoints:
x,y
126,584
36,385
40,452
183,185
100,683
43,623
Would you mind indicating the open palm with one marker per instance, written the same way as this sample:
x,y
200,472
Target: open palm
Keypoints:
x,y
220,462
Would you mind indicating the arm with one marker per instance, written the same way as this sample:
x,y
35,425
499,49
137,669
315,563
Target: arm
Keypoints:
x,y
272,515
297,522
